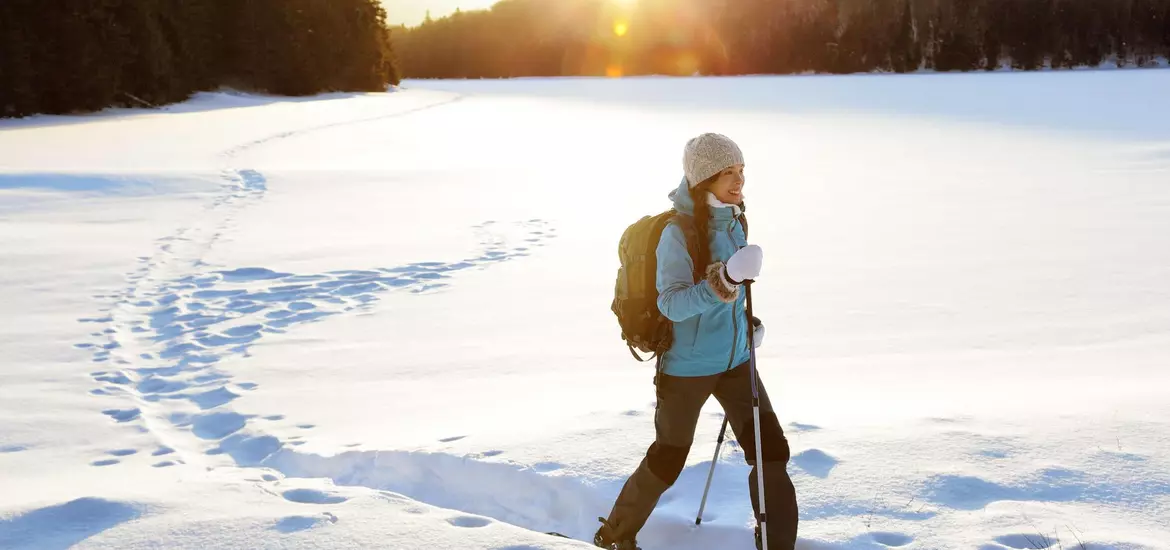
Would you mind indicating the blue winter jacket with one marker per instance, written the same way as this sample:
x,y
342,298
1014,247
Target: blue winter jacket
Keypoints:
x,y
710,335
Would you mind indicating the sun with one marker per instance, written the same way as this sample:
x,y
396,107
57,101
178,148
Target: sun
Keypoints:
x,y
620,28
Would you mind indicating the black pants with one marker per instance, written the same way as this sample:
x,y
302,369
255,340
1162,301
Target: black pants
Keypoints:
x,y
680,400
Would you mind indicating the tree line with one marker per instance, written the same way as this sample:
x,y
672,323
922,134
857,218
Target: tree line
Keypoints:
x,y
65,56
722,37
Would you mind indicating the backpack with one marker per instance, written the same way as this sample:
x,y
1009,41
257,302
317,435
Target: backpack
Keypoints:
x,y
635,296
635,299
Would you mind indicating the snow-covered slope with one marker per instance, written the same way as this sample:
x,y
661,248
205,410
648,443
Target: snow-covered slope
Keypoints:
x,y
381,320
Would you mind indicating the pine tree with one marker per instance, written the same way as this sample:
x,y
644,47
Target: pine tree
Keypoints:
x,y
63,56
905,52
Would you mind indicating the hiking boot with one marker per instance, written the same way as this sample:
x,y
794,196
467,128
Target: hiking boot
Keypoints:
x,y
605,539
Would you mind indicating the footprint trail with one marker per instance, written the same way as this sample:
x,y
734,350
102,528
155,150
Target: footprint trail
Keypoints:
x,y
162,345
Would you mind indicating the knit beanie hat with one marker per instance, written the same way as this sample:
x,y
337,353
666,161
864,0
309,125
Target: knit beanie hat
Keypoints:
x,y
707,155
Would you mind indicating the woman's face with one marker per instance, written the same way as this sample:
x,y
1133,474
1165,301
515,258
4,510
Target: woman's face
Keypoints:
x,y
728,186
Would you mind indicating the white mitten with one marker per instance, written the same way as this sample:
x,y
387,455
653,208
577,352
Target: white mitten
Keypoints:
x,y
745,264
758,336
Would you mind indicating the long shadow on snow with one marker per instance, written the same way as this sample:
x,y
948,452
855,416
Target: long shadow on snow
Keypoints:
x,y
530,498
124,185
511,493
1047,485
64,525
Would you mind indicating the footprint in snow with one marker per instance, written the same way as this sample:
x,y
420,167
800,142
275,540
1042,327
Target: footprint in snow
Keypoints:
x,y
152,385
105,462
122,452
1025,541
292,524
470,522
451,439
212,398
312,496
217,425
963,492
892,540
122,415
545,467
815,462
797,426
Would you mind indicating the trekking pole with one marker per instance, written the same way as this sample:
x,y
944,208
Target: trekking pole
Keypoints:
x,y
710,474
756,415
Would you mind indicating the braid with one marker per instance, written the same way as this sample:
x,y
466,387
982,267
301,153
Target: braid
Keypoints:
x,y
702,224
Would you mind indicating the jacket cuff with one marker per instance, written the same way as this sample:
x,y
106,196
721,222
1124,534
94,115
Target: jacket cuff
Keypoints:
x,y
717,280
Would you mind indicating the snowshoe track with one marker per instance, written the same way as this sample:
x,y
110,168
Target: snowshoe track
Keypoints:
x,y
158,340
165,337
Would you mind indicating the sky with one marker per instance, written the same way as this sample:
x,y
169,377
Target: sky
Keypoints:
x,y
412,12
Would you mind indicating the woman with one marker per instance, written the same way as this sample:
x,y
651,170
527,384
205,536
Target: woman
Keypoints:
x,y
710,353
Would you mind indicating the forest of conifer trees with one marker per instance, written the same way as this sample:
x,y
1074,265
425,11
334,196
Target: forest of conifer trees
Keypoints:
x,y
63,56
721,37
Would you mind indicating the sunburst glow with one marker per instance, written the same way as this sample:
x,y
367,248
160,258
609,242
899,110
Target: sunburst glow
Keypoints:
x,y
620,28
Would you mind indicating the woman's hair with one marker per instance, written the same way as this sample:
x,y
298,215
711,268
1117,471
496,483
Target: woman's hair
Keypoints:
x,y
703,221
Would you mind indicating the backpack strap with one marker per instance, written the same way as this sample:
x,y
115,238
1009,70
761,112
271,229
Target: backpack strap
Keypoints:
x,y
636,356
690,235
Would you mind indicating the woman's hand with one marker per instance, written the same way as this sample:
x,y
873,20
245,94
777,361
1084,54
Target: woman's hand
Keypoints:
x,y
745,264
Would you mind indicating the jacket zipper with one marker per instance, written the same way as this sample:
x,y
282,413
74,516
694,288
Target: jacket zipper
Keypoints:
x,y
734,313
734,336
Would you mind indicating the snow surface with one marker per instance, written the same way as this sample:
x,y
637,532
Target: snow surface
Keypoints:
x,y
381,320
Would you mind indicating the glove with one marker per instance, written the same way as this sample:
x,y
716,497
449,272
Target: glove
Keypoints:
x,y
757,333
744,264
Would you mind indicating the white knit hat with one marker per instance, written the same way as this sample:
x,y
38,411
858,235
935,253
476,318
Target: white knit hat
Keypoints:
x,y
708,154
